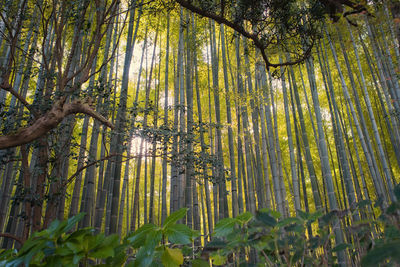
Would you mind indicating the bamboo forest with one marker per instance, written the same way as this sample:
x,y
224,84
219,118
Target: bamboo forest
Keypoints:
x,y
199,133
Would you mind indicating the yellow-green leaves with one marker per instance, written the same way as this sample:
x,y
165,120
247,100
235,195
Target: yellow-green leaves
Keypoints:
x,y
147,239
200,263
218,259
172,257
55,247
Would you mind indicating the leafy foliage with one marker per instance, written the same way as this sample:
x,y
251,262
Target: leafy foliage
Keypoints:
x,y
268,236
56,247
387,246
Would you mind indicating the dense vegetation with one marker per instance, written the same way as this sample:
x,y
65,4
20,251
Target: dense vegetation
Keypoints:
x,y
195,132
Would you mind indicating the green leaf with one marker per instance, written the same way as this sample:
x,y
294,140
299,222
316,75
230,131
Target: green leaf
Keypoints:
x,y
73,220
266,219
172,257
315,216
119,259
288,221
76,259
144,257
244,217
103,252
95,241
328,218
139,236
174,217
200,263
303,215
53,227
275,214
153,239
363,203
218,259
80,234
63,251
224,227
179,234
74,245
111,240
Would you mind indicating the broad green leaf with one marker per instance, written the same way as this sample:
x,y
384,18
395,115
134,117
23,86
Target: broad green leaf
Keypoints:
x,y
314,216
74,245
103,252
172,257
95,241
303,215
15,262
266,219
119,259
59,230
30,244
179,234
174,217
111,240
218,259
244,217
145,255
153,239
287,221
73,220
139,236
328,218
77,258
80,234
63,251
224,227
53,227
200,263
275,214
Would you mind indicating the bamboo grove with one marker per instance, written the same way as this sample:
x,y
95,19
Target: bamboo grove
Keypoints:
x,y
130,110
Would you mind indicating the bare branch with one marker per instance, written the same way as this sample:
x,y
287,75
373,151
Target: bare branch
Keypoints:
x,y
16,238
7,87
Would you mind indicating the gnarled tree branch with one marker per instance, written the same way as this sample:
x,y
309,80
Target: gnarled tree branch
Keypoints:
x,y
330,5
49,121
240,29
16,238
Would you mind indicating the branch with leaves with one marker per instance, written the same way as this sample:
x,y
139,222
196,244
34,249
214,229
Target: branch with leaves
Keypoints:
x,y
255,17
